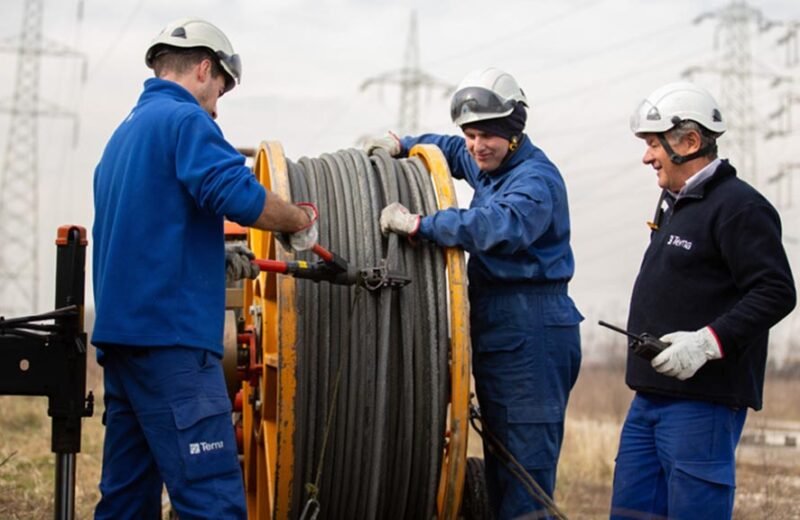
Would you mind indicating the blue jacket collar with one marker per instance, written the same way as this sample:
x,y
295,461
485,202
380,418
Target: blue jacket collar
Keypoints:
x,y
161,87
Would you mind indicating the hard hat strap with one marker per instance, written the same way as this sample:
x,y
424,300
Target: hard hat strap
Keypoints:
x,y
680,159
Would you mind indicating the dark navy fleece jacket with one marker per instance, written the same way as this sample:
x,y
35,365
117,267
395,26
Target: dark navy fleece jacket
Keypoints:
x,y
716,260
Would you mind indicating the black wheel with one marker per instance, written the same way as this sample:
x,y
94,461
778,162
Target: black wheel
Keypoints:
x,y
475,503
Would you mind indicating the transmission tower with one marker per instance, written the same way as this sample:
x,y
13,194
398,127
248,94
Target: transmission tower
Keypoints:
x,y
19,178
783,181
790,40
736,26
411,80
781,118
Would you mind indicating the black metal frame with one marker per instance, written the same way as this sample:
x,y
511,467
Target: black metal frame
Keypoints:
x,y
49,359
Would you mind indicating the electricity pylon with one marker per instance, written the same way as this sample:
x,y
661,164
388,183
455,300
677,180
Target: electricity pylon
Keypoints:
x,y
737,22
19,178
411,79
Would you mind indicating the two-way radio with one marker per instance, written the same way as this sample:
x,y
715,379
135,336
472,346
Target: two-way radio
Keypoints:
x,y
644,345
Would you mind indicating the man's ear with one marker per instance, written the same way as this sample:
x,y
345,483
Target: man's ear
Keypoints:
x,y
693,141
203,70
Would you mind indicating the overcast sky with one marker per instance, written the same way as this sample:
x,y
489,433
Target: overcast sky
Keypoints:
x,y
584,64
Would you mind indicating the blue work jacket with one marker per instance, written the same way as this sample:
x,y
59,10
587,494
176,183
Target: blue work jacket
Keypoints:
x,y
517,227
165,182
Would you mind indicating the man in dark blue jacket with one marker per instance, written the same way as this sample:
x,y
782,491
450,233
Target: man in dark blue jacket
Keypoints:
x,y
524,326
165,183
713,280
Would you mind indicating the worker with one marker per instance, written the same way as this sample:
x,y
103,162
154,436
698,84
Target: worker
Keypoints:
x,y
524,326
713,280
166,181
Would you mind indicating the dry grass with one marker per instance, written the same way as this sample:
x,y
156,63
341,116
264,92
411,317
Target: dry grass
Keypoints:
x,y
768,479
768,487
780,397
27,476
596,410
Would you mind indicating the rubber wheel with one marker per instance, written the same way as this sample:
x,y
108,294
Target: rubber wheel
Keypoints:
x,y
475,502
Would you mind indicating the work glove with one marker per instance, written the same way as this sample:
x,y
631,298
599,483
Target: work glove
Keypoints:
x,y
237,263
305,238
390,142
688,351
395,218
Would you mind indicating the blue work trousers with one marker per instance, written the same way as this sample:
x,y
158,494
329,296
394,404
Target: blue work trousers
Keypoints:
x,y
168,421
526,358
676,459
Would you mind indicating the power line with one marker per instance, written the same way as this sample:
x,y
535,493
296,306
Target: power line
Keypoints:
x,y
120,35
618,78
524,31
738,23
19,178
411,79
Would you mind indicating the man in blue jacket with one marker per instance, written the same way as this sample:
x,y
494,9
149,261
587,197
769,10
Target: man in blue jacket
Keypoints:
x,y
165,183
713,280
524,326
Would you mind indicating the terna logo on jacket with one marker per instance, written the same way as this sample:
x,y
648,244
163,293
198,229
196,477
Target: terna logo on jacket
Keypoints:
x,y
675,240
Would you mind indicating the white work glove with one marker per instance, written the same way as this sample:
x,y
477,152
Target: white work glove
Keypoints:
x,y
237,263
305,238
688,351
395,218
390,142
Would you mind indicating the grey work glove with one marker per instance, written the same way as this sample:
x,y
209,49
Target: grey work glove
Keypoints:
x,y
390,142
238,263
395,218
688,351
305,238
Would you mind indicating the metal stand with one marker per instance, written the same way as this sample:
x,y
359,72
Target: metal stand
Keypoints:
x,y
49,359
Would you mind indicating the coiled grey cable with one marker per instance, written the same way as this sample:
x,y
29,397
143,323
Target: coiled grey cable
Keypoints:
x,y
381,452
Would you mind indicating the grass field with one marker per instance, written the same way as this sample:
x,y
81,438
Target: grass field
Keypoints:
x,y
768,486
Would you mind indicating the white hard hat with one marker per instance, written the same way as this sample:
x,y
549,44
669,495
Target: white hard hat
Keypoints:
x,y
485,94
194,32
673,103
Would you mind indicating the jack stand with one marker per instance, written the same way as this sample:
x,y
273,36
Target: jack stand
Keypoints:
x,y
49,359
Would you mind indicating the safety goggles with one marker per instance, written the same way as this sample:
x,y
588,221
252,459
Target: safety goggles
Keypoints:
x,y
233,66
478,100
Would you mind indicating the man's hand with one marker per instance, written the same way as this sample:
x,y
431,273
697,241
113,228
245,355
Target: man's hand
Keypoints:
x,y
688,351
390,142
306,237
237,263
395,218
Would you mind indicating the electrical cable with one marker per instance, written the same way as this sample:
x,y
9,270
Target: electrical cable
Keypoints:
x,y
27,326
513,465
372,371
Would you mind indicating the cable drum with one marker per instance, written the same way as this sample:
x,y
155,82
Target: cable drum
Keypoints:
x,y
376,381
379,376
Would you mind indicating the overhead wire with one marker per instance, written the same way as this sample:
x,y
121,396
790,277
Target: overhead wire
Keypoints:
x,y
118,37
510,36
632,72
650,35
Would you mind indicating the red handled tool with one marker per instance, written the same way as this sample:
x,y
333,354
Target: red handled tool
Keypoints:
x,y
336,270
